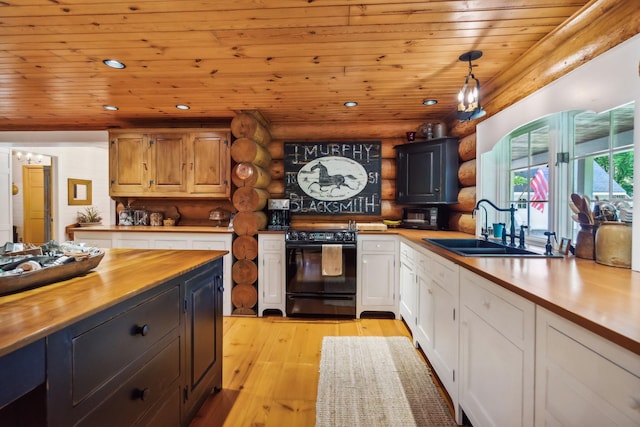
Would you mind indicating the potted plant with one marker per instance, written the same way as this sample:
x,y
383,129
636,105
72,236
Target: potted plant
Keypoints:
x,y
89,216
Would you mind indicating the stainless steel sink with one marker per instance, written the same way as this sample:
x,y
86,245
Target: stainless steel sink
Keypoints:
x,y
485,248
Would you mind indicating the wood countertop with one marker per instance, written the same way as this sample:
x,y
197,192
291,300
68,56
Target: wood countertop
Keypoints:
x,y
149,228
123,273
602,299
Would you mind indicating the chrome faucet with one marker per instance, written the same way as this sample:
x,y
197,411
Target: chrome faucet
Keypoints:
x,y
512,217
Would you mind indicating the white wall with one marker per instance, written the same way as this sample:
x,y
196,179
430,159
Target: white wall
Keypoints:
x,y
608,81
6,232
80,155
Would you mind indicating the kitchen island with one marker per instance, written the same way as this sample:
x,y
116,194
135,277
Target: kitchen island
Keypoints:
x,y
163,237
118,344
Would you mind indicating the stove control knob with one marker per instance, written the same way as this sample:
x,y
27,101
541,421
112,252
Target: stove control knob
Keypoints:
x,y
339,236
293,235
348,237
302,236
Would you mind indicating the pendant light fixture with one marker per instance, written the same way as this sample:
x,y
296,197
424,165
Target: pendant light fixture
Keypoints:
x,y
469,107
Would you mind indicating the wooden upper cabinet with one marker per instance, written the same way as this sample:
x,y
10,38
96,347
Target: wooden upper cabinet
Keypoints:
x,y
128,164
170,163
209,164
169,157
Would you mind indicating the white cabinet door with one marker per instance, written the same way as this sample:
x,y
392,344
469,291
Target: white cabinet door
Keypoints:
x,y
408,286
497,331
377,274
583,379
271,273
425,307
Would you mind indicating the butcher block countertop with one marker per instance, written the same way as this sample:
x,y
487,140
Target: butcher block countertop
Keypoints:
x,y
123,273
602,299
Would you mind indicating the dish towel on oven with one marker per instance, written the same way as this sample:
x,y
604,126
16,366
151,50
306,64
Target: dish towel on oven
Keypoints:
x,y
331,260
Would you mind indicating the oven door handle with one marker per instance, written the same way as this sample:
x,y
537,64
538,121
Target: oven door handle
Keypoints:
x,y
294,245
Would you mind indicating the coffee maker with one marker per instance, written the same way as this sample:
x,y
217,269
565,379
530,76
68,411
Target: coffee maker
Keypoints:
x,y
278,214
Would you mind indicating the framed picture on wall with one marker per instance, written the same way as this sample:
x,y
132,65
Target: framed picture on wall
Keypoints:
x,y
333,178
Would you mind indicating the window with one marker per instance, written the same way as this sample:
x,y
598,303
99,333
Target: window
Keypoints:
x,y
529,177
545,161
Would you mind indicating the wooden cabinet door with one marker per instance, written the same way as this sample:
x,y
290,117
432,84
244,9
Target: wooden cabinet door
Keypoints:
x,y
129,164
169,160
203,322
208,165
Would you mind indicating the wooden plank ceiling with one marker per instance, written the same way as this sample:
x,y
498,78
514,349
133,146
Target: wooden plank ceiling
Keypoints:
x,y
292,60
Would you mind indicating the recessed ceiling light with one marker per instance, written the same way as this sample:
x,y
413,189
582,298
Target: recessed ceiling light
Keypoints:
x,y
113,63
351,104
182,107
110,107
430,101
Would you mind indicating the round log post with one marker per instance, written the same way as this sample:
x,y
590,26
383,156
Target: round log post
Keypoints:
x,y
249,175
248,223
244,297
245,247
250,199
244,272
245,125
247,150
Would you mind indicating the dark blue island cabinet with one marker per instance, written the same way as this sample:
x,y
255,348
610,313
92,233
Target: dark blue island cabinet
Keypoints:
x,y
150,360
427,172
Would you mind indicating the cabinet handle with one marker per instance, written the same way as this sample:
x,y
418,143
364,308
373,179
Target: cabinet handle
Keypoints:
x,y
437,189
141,394
145,165
142,330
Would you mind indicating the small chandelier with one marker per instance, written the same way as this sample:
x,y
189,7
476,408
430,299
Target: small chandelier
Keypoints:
x,y
469,107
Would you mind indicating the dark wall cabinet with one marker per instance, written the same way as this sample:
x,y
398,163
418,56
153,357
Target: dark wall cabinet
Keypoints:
x,y
427,172
149,361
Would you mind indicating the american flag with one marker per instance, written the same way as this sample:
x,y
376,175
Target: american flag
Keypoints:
x,y
540,189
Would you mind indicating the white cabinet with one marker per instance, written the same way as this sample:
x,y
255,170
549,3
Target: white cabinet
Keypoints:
x,y
377,281
497,346
93,239
437,326
271,273
581,378
166,240
408,286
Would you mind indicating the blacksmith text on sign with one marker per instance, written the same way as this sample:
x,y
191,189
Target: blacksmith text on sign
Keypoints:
x,y
333,178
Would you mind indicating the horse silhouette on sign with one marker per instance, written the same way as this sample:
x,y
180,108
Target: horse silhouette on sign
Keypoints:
x,y
328,182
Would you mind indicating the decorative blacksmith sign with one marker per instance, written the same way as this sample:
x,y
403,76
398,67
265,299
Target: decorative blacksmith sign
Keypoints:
x,y
333,178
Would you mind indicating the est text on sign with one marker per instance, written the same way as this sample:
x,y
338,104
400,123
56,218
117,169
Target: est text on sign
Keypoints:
x,y
333,178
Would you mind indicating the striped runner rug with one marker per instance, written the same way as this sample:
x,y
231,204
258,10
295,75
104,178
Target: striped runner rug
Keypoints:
x,y
376,382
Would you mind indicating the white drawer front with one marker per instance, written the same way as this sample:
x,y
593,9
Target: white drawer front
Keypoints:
x,y
273,245
209,245
500,308
379,245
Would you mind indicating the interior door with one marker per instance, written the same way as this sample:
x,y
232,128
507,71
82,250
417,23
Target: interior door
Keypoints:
x,y
37,212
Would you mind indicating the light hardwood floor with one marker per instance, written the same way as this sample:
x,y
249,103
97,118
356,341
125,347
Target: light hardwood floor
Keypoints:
x,y
270,369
